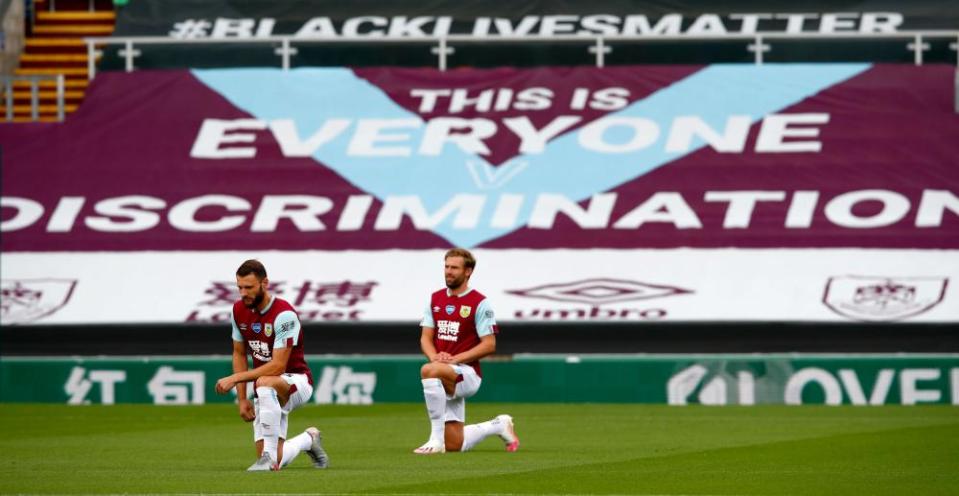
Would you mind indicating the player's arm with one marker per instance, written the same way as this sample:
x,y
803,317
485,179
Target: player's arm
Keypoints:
x,y
486,329
426,343
287,335
240,365
426,338
287,328
486,346
276,366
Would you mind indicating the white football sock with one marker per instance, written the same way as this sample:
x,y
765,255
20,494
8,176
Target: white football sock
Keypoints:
x,y
474,433
269,419
435,397
295,446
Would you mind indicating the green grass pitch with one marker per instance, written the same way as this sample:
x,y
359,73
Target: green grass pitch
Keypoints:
x,y
566,449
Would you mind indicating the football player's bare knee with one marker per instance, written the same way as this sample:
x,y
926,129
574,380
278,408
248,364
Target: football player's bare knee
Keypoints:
x,y
264,382
453,436
425,371
431,371
277,383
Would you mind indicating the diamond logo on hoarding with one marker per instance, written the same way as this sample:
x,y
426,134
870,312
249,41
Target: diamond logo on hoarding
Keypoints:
x,y
599,291
27,300
875,298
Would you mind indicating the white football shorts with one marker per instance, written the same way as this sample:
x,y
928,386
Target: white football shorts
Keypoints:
x,y
466,387
299,397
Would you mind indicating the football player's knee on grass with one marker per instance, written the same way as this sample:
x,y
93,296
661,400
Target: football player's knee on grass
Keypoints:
x,y
453,436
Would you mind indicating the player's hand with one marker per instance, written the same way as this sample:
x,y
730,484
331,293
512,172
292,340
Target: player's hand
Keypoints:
x,y
246,410
443,357
224,385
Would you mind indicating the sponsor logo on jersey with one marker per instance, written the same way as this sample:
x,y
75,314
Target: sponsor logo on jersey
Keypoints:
x,y
447,330
268,330
465,311
261,350
449,309
257,327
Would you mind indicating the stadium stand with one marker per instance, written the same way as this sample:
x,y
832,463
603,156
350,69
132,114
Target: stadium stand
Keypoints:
x,y
54,46
809,203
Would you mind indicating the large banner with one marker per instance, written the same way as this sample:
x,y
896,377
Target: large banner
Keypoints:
x,y
865,380
777,192
589,286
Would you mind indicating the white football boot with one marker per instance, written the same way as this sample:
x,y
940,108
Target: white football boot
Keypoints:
x,y
264,464
508,435
431,447
316,451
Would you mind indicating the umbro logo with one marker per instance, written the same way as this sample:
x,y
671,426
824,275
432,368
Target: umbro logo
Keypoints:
x,y
599,291
594,294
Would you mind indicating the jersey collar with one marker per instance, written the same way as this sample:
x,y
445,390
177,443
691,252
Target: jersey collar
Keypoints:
x,y
268,305
464,293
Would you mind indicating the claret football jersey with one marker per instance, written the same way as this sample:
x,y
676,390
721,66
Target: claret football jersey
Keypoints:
x,y
276,326
459,321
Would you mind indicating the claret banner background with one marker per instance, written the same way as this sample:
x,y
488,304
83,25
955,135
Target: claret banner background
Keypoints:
x,y
800,192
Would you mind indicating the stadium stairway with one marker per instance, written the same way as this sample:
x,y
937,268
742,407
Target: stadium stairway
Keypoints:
x,y
55,46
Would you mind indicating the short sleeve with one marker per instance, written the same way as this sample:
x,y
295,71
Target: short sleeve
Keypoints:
x,y
236,331
428,318
485,319
286,327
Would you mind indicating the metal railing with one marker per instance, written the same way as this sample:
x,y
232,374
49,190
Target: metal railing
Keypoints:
x,y
598,45
8,82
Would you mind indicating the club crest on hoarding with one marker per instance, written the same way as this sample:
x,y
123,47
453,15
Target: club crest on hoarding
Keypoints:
x,y
27,300
883,298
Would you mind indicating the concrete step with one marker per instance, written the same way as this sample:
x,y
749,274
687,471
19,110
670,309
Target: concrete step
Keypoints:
x,y
53,60
54,42
73,16
42,109
71,83
67,71
72,30
27,118
43,95
55,45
